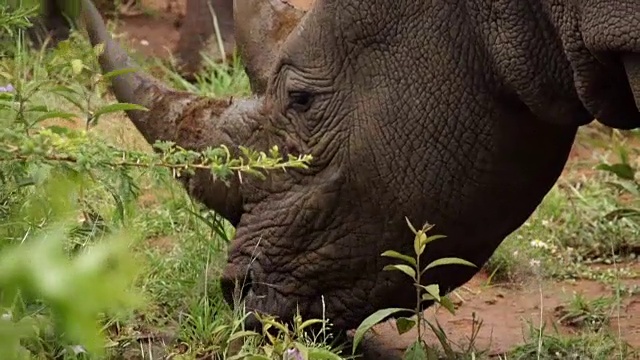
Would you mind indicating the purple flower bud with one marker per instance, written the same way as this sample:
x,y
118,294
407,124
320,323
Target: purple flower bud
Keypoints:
x,y
293,354
8,88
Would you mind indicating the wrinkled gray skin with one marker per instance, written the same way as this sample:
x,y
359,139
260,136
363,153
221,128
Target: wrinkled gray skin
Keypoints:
x,y
459,113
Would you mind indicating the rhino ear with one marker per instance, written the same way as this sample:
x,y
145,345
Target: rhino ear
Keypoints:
x,y
261,26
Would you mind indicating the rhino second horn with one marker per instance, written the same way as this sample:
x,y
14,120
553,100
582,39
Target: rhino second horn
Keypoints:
x,y
261,26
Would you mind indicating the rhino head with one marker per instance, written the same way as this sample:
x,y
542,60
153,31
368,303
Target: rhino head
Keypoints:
x,y
461,114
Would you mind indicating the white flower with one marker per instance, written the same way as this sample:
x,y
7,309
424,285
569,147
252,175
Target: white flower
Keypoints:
x,y
7,316
539,244
534,263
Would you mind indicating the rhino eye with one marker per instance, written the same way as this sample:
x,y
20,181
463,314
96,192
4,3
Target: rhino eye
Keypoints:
x,y
300,100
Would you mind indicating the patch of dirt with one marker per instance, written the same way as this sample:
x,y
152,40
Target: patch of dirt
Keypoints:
x,y
300,4
154,31
147,199
506,312
153,37
164,244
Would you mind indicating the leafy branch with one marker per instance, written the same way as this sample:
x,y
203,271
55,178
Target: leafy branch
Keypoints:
x,y
85,151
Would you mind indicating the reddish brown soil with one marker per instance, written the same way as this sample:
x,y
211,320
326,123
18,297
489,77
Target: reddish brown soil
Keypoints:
x,y
507,311
153,31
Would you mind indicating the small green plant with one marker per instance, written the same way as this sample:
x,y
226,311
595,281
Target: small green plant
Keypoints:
x,y
582,312
627,183
552,345
412,267
278,341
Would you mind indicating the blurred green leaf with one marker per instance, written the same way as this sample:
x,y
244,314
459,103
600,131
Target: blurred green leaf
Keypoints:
x,y
623,171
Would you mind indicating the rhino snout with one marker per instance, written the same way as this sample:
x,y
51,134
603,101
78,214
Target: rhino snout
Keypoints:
x,y
235,284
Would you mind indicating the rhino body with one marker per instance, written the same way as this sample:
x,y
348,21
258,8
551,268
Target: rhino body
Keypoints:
x,y
457,113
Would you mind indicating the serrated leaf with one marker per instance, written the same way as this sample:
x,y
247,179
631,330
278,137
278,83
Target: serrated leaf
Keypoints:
x,y
404,268
370,322
448,261
397,255
404,324
623,171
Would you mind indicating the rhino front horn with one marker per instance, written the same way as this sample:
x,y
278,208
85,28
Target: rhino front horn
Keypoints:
x,y
632,67
191,122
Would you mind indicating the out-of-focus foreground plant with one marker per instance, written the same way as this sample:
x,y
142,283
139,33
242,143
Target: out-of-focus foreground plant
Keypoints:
x,y
66,197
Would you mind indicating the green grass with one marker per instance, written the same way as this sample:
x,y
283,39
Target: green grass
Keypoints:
x,y
568,233
179,248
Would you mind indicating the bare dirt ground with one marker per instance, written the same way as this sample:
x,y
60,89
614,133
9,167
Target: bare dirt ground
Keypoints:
x,y
154,30
504,310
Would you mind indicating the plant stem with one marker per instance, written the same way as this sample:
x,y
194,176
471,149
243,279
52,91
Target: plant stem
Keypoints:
x,y
57,158
418,293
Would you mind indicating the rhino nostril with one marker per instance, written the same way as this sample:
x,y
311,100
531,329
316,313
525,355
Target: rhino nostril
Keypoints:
x,y
235,288
247,283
